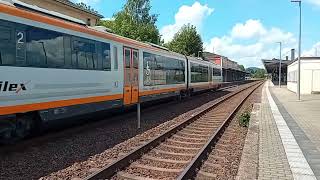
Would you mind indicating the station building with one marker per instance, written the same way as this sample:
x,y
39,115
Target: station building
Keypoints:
x,y
66,7
310,75
272,68
230,69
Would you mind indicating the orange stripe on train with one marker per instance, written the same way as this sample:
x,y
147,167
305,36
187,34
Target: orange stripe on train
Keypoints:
x,y
55,104
158,91
62,103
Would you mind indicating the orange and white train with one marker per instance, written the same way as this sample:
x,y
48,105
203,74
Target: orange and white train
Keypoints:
x,y
55,67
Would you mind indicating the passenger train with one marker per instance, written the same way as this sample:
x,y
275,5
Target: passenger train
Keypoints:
x,y
54,67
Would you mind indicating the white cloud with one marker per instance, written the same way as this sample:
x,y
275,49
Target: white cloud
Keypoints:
x,y
314,2
194,15
277,35
314,51
262,43
251,28
226,47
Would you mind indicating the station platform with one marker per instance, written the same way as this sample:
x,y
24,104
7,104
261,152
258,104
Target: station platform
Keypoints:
x,y
283,140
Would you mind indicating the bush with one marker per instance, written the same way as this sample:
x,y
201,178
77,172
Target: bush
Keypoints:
x,y
244,119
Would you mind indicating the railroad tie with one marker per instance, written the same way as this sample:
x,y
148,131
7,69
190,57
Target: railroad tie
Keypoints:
x,y
152,168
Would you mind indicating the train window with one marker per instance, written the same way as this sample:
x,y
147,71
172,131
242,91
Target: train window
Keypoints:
x,y
115,58
26,45
67,51
160,63
199,73
161,70
82,60
91,64
127,57
148,63
216,72
7,47
79,53
205,74
20,47
106,59
85,56
44,48
159,74
135,59
5,33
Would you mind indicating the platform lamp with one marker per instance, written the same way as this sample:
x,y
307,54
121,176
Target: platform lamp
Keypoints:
x,y
280,43
299,53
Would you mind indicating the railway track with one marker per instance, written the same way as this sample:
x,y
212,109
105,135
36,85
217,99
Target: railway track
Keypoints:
x,y
60,133
179,152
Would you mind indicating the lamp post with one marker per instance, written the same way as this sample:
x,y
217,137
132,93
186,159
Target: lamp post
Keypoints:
x,y
299,53
280,61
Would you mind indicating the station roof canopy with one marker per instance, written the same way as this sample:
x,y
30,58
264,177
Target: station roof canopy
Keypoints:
x,y
271,65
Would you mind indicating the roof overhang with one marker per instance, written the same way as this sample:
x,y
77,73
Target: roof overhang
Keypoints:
x,y
270,65
73,5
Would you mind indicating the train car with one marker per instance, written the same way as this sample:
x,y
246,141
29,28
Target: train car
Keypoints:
x,y
54,67
163,74
203,75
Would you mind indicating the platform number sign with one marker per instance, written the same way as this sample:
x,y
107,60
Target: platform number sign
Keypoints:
x,y
20,46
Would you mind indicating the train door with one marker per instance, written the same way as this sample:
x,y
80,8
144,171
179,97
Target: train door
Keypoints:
x,y
131,76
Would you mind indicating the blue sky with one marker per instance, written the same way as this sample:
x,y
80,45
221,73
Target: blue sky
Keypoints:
x,y
243,30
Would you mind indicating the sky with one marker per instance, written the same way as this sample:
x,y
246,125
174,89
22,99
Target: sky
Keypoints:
x,y
246,31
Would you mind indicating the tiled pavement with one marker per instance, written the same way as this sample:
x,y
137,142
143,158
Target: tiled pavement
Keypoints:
x,y
299,166
289,138
285,150
303,119
306,113
273,162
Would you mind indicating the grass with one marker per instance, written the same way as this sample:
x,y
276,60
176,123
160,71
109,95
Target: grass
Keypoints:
x,y
244,119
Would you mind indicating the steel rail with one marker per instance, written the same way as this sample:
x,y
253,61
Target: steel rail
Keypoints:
x,y
191,170
108,171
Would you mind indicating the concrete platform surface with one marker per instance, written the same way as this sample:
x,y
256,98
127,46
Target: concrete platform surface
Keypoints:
x,y
283,137
306,112
303,120
273,162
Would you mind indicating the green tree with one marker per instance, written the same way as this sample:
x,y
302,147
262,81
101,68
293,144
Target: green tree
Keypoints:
x,y
85,7
187,41
260,73
135,21
242,68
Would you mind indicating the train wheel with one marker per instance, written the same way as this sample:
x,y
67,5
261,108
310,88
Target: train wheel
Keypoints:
x,y
24,126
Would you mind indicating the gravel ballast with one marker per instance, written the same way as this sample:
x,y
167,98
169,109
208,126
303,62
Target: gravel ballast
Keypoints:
x,y
88,146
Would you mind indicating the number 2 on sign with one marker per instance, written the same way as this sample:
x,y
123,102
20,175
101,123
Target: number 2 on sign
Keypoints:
x,y
20,37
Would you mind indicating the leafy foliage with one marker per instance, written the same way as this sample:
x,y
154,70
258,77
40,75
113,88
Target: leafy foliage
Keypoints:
x,y
256,72
187,41
85,7
134,21
106,23
244,119
242,68
260,73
